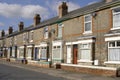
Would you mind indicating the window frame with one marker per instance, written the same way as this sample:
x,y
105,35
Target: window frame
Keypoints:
x,y
60,53
60,26
24,37
86,22
31,36
46,34
43,48
115,13
81,47
112,47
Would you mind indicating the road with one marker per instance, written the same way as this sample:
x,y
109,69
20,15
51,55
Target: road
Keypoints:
x,y
14,73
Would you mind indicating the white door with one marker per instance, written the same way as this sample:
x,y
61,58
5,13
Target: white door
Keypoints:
x,y
69,54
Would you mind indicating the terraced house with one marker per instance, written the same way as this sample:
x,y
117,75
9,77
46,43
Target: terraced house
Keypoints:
x,y
87,38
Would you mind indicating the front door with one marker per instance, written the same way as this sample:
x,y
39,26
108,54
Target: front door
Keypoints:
x,y
68,54
36,54
75,52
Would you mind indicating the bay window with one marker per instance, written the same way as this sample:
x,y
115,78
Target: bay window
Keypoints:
x,y
43,52
85,52
114,51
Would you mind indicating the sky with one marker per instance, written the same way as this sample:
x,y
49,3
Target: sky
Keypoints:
x,y
14,11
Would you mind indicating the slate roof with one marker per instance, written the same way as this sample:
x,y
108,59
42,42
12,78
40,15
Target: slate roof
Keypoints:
x,y
78,12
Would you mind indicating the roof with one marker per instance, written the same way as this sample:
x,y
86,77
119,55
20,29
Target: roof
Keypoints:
x,y
78,12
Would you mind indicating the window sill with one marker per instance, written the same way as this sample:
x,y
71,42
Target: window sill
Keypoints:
x,y
84,61
115,28
88,32
31,40
112,62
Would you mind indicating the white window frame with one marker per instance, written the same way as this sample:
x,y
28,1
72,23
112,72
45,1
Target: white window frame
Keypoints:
x,y
115,47
60,26
85,22
43,48
19,54
115,13
31,36
56,47
46,32
15,39
57,43
24,37
84,48
11,41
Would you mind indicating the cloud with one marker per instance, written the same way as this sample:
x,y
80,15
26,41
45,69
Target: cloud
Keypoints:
x,y
1,24
27,11
53,5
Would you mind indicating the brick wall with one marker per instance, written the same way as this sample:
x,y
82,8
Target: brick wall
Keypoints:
x,y
95,71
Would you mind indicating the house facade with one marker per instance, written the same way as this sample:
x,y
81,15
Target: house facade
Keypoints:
x,y
86,36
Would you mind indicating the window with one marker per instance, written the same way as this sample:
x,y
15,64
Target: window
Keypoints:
x,y
21,52
46,33
60,25
56,52
116,18
44,53
15,40
31,36
13,52
11,41
29,53
85,52
24,37
88,23
114,51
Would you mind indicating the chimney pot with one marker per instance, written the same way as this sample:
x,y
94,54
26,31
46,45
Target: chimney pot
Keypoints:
x,y
21,26
10,30
2,33
37,19
63,9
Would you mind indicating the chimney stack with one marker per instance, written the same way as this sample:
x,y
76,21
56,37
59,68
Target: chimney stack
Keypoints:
x,y
37,19
21,26
63,9
10,30
2,33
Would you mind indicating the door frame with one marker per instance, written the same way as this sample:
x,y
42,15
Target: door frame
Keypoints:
x,y
69,54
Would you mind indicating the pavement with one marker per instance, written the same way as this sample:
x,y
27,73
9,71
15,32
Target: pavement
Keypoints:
x,y
58,72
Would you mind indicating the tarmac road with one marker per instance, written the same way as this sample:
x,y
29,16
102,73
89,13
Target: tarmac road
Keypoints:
x,y
15,73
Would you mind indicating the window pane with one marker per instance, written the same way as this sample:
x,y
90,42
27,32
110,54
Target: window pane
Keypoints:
x,y
85,46
88,26
28,55
21,53
43,54
58,46
116,10
118,43
87,18
111,44
116,20
56,53
60,30
85,54
114,54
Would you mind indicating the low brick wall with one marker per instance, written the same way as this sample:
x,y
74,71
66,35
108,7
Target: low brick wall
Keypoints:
x,y
104,71
40,64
